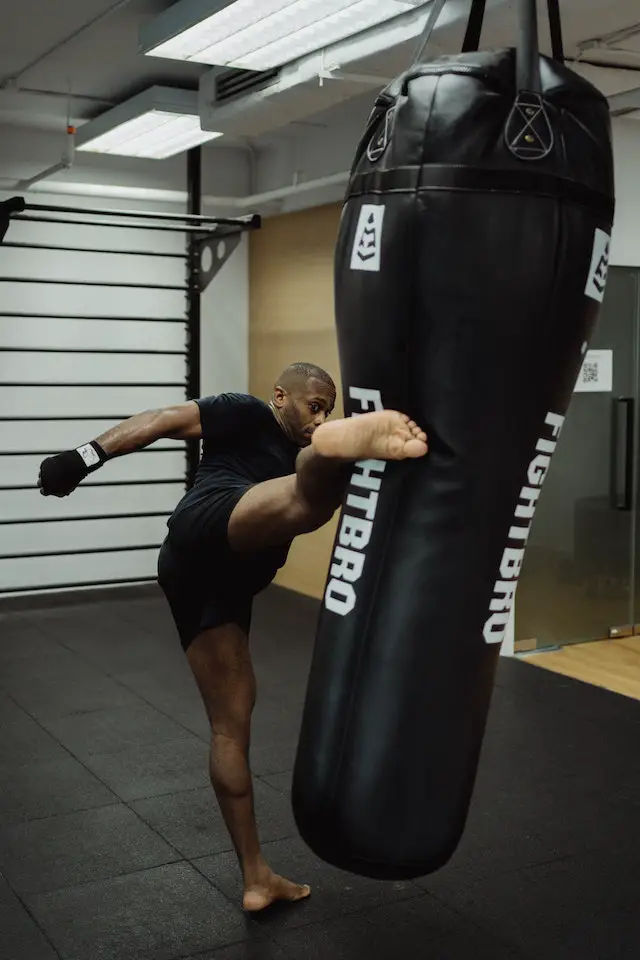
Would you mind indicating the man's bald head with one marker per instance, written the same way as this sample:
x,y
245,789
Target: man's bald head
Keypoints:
x,y
298,374
303,397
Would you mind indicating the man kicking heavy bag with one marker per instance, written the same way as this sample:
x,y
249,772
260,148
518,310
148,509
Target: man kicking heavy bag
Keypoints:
x,y
470,269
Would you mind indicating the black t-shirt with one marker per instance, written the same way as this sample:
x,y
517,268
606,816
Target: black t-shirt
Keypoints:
x,y
242,444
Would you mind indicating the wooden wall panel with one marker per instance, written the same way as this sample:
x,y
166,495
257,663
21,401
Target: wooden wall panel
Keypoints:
x,y
292,318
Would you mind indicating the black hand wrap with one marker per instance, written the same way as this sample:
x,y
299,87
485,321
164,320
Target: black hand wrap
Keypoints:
x,y
60,475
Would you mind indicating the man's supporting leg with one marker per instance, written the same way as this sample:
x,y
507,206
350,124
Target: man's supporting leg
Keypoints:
x,y
276,511
221,664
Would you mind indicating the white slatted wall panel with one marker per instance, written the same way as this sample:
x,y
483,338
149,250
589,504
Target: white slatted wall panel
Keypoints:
x,y
58,389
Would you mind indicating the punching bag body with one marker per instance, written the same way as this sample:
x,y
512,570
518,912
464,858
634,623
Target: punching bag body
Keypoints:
x,y
469,272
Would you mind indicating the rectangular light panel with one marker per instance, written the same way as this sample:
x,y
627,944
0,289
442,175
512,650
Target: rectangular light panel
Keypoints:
x,y
264,34
156,135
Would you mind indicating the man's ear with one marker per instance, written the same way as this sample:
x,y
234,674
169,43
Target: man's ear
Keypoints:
x,y
279,396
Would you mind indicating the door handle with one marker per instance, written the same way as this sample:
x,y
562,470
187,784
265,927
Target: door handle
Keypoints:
x,y
622,437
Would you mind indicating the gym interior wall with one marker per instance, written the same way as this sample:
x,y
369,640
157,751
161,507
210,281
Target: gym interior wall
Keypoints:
x,y
94,327
224,316
291,317
625,245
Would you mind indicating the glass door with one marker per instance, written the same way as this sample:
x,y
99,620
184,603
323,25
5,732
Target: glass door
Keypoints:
x,y
580,571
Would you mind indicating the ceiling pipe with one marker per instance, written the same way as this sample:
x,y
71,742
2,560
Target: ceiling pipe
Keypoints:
x,y
10,88
64,164
241,204
610,39
625,103
23,185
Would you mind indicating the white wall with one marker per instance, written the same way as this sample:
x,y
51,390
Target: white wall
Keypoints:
x,y
91,391
26,152
224,343
117,488
625,248
323,146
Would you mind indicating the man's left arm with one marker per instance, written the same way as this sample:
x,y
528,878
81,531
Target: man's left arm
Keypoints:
x,y
60,475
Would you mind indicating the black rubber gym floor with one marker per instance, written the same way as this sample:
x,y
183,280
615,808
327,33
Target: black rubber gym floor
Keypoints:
x,y
111,847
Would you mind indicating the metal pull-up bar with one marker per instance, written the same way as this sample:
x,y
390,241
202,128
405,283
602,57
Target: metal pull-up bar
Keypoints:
x,y
18,209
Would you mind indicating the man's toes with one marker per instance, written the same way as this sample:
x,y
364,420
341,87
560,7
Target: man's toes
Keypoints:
x,y
301,893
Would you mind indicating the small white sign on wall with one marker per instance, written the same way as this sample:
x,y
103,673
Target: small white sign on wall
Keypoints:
x,y
596,375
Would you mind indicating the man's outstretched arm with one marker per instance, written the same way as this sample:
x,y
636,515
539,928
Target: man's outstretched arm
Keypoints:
x,y
180,422
61,474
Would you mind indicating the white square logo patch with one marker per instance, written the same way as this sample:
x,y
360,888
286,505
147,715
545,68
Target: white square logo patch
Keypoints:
x,y
89,455
368,239
598,272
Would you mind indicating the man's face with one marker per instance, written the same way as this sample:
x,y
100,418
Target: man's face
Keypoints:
x,y
305,407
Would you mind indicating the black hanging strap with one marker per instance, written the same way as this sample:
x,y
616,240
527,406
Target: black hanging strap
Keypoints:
x,y
528,40
474,26
528,53
555,27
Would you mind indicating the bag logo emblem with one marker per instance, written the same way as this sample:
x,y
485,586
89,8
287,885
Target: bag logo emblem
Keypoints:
x,y
366,253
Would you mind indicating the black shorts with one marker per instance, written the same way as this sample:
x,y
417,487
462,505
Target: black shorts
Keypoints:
x,y
208,585
201,597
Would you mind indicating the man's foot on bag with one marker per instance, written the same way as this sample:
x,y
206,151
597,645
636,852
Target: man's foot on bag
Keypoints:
x,y
382,435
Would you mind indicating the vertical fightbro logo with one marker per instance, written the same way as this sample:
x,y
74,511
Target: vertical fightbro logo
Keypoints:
x,y
347,562
368,239
599,270
504,591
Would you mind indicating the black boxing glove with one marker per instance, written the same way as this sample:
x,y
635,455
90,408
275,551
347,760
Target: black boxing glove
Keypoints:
x,y
60,475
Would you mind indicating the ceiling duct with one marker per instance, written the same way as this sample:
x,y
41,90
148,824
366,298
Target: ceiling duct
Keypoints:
x,y
274,104
316,82
232,84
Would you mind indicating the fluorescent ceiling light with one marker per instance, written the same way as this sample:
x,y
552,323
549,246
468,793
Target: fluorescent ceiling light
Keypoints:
x,y
261,34
159,123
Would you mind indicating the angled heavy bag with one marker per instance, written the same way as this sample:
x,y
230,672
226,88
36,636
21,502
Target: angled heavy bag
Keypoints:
x,y
470,269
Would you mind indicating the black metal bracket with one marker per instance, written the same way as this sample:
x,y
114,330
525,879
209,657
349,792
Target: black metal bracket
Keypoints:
x,y
212,254
213,251
7,209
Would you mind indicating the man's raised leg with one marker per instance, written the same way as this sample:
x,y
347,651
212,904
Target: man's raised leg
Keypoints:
x,y
276,511
221,664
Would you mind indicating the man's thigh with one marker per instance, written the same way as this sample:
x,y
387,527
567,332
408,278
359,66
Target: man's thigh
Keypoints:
x,y
267,515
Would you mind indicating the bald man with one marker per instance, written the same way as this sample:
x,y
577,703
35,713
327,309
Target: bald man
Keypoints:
x,y
268,473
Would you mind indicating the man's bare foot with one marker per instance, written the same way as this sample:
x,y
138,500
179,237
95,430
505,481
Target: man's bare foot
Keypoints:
x,y
382,435
270,889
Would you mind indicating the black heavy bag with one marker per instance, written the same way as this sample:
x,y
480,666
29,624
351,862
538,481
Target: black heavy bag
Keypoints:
x,y
470,268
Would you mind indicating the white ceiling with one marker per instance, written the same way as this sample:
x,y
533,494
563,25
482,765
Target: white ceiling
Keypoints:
x,y
52,48
583,21
45,52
